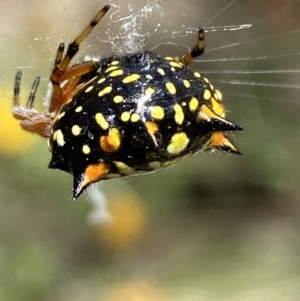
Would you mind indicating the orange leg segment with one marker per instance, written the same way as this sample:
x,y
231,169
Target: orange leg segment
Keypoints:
x,y
62,63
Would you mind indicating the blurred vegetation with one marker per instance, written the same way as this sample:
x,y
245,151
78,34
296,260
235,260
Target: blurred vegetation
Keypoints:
x,y
213,227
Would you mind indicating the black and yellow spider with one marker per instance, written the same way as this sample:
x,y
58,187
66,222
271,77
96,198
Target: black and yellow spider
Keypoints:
x,y
125,115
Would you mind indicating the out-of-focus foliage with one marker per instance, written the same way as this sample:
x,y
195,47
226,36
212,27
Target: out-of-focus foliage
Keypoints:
x,y
126,224
13,141
215,226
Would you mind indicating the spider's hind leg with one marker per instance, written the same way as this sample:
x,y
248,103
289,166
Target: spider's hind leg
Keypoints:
x,y
31,119
197,50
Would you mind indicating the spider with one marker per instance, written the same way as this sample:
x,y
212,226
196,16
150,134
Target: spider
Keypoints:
x,y
125,115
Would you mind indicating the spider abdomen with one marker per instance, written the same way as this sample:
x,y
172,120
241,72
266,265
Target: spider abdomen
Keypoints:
x,y
137,113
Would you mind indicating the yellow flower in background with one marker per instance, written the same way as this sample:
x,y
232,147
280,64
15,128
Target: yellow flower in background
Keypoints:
x,y
135,291
127,223
14,140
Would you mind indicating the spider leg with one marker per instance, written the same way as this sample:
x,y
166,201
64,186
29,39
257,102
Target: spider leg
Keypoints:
x,y
79,70
57,91
33,92
17,88
74,46
197,50
62,63
31,119
18,78
59,54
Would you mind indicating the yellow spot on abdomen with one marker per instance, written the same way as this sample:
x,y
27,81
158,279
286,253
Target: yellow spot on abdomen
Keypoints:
x,y
118,99
193,104
179,142
102,122
179,116
76,130
101,80
149,91
90,88
125,116
186,83
110,69
161,71
207,94
113,63
59,137
171,88
116,73
86,149
197,74
130,78
112,141
106,90
157,112
135,117
78,109
175,64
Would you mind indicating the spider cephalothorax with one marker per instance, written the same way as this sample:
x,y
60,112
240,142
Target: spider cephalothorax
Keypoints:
x,y
127,114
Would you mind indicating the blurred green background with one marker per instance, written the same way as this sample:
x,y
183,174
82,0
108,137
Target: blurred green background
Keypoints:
x,y
213,227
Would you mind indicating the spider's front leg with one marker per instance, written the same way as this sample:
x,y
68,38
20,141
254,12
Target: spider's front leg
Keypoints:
x,y
31,120
64,82
197,50
62,72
